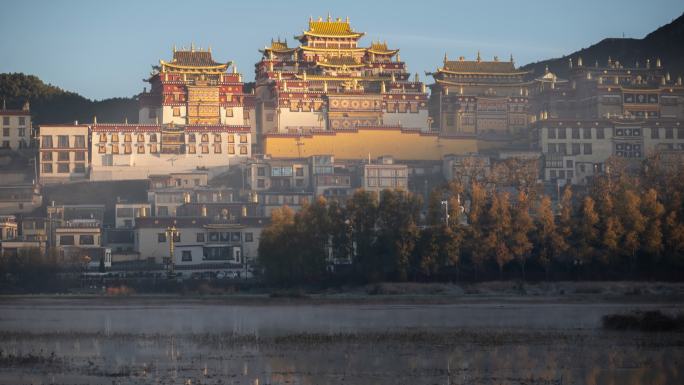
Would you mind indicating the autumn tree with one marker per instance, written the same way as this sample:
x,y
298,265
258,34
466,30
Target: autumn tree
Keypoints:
x,y
522,226
550,244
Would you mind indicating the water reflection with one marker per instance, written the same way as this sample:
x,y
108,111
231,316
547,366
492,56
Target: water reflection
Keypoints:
x,y
459,344
594,358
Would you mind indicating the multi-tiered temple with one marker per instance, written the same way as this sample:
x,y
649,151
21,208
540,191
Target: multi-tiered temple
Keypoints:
x,y
195,116
329,82
480,96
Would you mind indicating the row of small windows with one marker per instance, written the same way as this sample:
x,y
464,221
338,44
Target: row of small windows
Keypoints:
x,y
192,138
63,168
210,237
575,148
669,133
63,141
561,133
62,156
154,149
21,131
21,120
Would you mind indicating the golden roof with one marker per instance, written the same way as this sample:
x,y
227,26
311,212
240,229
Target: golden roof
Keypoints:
x,y
278,46
194,60
331,28
381,48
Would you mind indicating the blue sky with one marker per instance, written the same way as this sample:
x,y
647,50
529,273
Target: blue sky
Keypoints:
x,y
104,49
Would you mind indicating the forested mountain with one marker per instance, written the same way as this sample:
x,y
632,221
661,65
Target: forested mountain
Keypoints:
x,y
666,43
50,104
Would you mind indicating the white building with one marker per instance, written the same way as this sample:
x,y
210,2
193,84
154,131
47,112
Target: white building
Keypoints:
x,y
16,128
385,175
575,150
129,151
63,153
200,243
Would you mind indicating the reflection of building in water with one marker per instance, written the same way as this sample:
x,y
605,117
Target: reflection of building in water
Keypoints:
x,y
479,96
329,82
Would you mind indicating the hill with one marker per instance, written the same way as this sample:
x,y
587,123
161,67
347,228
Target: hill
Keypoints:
x,y
50,104
665,43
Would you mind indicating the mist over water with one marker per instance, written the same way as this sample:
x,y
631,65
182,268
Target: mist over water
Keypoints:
x,y
77,341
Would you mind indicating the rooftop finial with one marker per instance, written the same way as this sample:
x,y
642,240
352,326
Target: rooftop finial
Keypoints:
x,y
329,17
445,58
478,55
512,61
192,46
94,119
347,19
310,18
174,48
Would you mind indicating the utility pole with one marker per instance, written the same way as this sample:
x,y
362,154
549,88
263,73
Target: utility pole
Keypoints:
x,y
171,233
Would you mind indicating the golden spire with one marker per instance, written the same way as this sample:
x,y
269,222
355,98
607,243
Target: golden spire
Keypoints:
x,y
347,19
478,56
445,58
329,17
174,48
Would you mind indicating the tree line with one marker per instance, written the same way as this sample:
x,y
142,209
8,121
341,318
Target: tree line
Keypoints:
x,y
625,224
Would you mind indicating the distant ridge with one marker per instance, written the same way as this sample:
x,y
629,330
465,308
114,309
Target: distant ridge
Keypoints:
x,y
666,43
50,104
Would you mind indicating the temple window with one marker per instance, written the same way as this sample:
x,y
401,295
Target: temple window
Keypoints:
x,y
191,149
153,138
115,148
141,137
217,148
243,138
229,112
243,150
103,138
205,138
153,148
246,114
141,149
191,138
127,138
102,149
205,149
231,138
127,148
115,138
217,138
176,111
231,149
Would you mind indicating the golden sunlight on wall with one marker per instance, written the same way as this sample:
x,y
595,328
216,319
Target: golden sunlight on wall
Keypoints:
x,y
358,144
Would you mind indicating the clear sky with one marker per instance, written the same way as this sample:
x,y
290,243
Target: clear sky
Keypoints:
x,y
104,49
